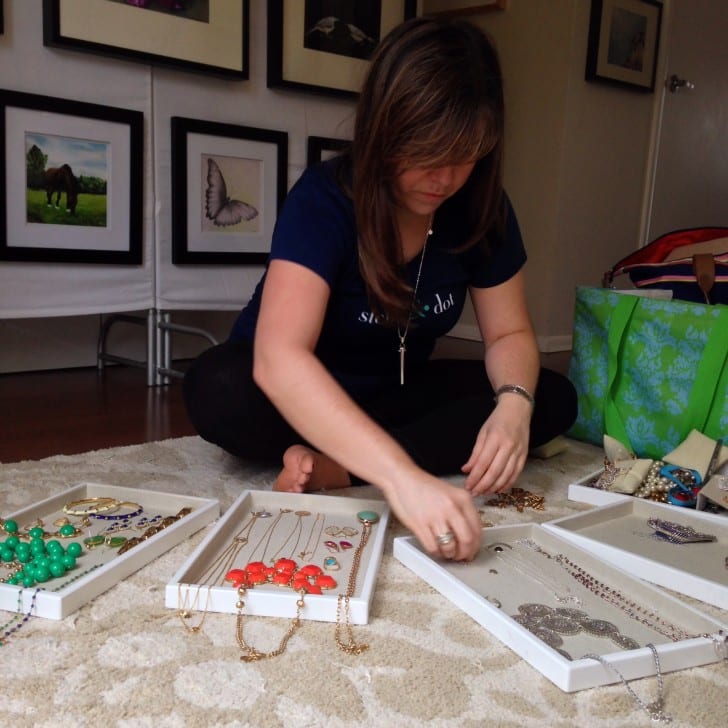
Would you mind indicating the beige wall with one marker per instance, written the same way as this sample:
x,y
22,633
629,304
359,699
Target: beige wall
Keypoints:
x,y
576,155
575,167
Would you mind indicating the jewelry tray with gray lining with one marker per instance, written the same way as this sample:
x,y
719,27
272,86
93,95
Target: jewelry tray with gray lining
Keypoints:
x,y
153,523
240,537
620,534
554,603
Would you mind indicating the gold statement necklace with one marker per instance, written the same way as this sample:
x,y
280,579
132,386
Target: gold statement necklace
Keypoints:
x,y
403,334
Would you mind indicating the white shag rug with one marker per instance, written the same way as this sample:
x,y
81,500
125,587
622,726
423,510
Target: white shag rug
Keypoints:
x,y
124,659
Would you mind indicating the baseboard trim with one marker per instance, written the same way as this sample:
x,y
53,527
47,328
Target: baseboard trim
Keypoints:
x,y
546,344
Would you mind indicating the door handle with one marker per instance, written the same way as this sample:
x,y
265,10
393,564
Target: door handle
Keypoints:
x,y
674,83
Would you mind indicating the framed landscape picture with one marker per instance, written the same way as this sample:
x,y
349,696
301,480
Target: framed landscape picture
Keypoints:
x,y
323,46
71,181
205,36
228,183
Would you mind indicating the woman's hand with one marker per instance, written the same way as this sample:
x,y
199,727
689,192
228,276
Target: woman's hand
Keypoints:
x,y
432,508
501,447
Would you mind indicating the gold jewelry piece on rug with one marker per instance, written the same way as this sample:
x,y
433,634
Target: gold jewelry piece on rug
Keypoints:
x,y
251,653
90,506
343,614
519,498
184,614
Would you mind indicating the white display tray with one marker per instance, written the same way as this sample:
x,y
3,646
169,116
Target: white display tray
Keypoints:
x,y
581,493
185,591
490,593
101,568
619,534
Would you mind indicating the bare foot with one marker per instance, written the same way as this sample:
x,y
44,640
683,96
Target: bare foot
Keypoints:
x,y
306,469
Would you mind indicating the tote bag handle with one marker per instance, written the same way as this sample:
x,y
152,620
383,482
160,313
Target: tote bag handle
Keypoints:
x,y
710,371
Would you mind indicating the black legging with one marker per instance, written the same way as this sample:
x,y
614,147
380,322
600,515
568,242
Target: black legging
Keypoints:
x,y
435,416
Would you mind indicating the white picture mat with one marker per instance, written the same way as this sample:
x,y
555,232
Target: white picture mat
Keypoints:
x,y
20,233
217,42
620,73
199,145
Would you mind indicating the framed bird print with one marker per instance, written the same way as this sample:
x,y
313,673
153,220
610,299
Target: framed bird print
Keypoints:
x,y
323,46
228,183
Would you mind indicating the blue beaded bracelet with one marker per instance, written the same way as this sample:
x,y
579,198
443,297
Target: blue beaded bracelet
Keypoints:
x,y
120,516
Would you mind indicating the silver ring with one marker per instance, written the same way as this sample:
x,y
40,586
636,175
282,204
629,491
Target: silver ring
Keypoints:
x,y
445,538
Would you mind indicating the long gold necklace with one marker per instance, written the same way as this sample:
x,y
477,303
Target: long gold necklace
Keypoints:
x,y
269,534
222,564
297,530
343,616
403,335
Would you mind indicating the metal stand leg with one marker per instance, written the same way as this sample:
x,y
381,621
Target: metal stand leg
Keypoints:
x,y
165,328
103,356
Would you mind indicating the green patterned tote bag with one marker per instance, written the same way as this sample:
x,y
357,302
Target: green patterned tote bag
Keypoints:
x,y
648,371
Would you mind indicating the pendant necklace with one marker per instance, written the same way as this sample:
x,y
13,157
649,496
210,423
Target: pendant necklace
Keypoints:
x,y
403,335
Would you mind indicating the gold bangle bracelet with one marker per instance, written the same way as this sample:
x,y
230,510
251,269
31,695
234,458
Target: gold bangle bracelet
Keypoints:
x,y
89,506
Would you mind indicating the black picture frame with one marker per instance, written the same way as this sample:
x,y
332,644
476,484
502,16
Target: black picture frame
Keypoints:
x,y
624,41
219,46
2,21
209,224
103,147
319,148
291,65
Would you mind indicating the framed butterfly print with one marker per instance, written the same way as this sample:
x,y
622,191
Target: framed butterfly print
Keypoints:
x,y
228,183
323,46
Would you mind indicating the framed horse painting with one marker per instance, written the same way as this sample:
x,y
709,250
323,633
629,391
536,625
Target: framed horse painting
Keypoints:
x,y
204,36
71,181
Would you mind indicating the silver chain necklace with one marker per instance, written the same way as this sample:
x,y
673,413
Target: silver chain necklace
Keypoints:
x,y
403,335
655,709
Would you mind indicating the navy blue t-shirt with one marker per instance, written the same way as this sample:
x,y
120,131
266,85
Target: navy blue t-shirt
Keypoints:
x,y
316,228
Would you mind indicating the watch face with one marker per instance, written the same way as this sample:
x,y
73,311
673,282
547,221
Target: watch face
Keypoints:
x,y
368,516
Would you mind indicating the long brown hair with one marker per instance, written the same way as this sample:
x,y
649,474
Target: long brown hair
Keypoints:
x,y
432,97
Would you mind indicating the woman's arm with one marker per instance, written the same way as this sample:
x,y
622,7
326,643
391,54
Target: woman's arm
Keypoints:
x,y
286,369
511,357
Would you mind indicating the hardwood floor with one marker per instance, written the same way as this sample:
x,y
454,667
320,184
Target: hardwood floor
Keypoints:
x,y
72,411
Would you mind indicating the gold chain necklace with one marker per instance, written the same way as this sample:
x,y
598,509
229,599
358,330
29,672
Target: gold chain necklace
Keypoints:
x,y
223,563
403,335
297,530
343,616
